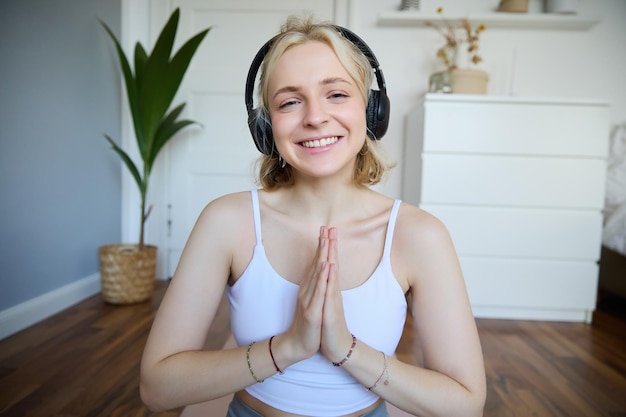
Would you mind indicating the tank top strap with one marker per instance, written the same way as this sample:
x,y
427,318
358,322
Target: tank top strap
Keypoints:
x,y
391,226
256,210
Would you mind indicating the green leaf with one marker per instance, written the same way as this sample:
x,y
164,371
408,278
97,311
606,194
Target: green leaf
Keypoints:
x,y
129,162
131,86
141,59
168,128
155,98
181,60
141,135
165,41
164,133
168,133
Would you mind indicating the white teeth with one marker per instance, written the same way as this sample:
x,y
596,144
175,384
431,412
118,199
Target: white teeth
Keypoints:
x,y
318,143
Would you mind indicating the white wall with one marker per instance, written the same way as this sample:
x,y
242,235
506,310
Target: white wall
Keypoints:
x,y
59,179
525,62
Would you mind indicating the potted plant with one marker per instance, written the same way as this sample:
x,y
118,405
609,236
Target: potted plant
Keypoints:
x,y
454,79
128,271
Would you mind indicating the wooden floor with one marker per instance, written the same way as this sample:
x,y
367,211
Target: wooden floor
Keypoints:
x,y
84,362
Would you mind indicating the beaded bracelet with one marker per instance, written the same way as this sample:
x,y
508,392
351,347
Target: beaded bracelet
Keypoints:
x,y
250,366
274,360
341,362
382,374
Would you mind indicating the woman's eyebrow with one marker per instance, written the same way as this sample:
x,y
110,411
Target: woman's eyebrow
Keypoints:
x,y
334,80
287,89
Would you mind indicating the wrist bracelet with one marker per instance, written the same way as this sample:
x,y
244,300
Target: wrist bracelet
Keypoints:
x,y
349,352
250,366
274,360
382,374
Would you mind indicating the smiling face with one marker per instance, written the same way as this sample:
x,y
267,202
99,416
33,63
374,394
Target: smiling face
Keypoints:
x,y
317,111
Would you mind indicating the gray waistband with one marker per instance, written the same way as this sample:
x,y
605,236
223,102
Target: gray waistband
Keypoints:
x,y
238,409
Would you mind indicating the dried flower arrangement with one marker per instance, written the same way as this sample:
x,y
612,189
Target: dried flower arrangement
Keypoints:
x,y
455,34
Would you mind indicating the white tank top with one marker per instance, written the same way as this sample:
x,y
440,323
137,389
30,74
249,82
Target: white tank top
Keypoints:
x,y
262,304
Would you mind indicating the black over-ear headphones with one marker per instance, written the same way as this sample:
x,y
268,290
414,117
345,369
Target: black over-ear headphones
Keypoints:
x,y
376,113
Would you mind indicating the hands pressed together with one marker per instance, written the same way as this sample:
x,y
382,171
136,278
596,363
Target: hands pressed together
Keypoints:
x,y
319,322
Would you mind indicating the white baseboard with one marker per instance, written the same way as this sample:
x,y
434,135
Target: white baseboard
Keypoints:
x,y
535,314
18,317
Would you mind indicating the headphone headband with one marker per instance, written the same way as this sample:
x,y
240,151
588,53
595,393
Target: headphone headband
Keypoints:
x,y
378,106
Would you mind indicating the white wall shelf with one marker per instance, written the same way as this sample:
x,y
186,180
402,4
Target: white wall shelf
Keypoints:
x,y
494,20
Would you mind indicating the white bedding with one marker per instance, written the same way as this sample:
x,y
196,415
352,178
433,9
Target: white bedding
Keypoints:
x,y
614,231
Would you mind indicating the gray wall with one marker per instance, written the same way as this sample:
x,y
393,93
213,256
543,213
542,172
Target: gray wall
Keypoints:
x,y
60,184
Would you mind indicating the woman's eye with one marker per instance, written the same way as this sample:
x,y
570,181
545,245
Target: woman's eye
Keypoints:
x,y
288,103
338,95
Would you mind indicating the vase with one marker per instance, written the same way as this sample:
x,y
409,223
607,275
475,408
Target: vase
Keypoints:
x,y
469,81
127,274
513,6
410,5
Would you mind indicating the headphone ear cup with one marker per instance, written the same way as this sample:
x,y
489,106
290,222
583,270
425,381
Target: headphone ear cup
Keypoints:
x,y
261,131
384,108
377,113
371,112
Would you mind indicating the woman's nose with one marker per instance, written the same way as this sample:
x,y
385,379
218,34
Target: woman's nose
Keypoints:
x,y
315,114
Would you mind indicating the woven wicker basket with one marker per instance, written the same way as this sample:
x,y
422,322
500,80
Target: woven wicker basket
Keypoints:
x,y
127,274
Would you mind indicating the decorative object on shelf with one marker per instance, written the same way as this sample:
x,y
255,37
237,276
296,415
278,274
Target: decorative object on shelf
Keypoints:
x,y
127,272
469,81
561,6
456,33
513,6
410,5
441,82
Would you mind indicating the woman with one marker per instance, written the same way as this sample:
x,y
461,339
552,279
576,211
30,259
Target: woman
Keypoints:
x,y
317,266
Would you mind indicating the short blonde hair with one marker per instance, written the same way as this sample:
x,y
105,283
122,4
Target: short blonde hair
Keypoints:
x,y
369,168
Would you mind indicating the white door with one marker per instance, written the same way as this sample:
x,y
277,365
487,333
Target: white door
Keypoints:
x,y
217,156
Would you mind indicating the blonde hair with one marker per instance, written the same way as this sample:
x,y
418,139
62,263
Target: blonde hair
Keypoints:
x,y
369,167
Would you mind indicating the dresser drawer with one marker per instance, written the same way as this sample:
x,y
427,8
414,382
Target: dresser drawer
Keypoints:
x,y
513,181
522,233
508,126
530,283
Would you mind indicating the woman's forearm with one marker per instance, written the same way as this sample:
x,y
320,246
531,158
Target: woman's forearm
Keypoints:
x,y
414,389
198,376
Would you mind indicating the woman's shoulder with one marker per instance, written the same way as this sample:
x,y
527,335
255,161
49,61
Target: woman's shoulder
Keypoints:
x,y
422,246
227,209
230,201
417,226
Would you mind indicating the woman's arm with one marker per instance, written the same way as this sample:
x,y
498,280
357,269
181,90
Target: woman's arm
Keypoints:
x,y
452,380
174,369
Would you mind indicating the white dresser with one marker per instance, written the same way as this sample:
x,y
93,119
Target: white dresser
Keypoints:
x,y
520,183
